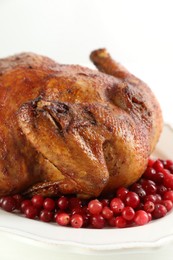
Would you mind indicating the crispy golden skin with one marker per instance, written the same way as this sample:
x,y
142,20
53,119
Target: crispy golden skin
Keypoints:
x,y
67,129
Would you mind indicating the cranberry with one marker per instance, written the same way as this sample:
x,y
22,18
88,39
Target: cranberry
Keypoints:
x,y
141,218
158,198
158,178
132,199
170,169
49,204
107,213
31,212
168,179
24,204
150,162
168,204
120,222
121,193
149,187
18,198
149,216
135,186
63,219
95,207
168,195
112,221
149,206
8,204
46,215
74,203
128,213
159,211
77,211
105,202
149,173
161,189
76,221
140,192
62,203
140,206
37,201
86,220
150,198
97,221
167,164
158,166
116,205
1,200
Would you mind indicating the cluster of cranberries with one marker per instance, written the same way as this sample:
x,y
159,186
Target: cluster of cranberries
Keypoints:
x,y
149,198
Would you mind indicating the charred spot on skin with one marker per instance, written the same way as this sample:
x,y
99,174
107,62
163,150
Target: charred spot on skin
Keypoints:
x,y
30,67
82,74
69,91
90,116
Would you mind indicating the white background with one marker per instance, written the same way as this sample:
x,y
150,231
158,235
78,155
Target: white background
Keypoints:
x,y
139,34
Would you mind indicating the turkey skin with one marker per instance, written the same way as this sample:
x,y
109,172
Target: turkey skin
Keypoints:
x,y
67,129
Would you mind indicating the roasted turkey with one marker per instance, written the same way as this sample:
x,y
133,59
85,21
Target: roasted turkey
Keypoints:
x,y
67,129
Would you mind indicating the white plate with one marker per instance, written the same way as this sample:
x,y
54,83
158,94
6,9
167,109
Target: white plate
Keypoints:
x,y
25,234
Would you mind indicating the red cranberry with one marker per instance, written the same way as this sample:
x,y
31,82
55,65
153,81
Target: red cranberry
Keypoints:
x,y
74,203
140,206
158,198
159,211
168,179
86,220
49,204
63,219
62,203
161,189
105,202
141,218
46,215
120,222
18,198
1,200
77,210
158,166
116,205
158,178
128,213
95,207
167,163
150,162
149,206
24,204
149,173
170,169
8,204
149,187
121,193
150,198
132,199
135,186
107,213
76,221
37,201
168,204
97,221
149,216
31,212
140,192
168,195
112,221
